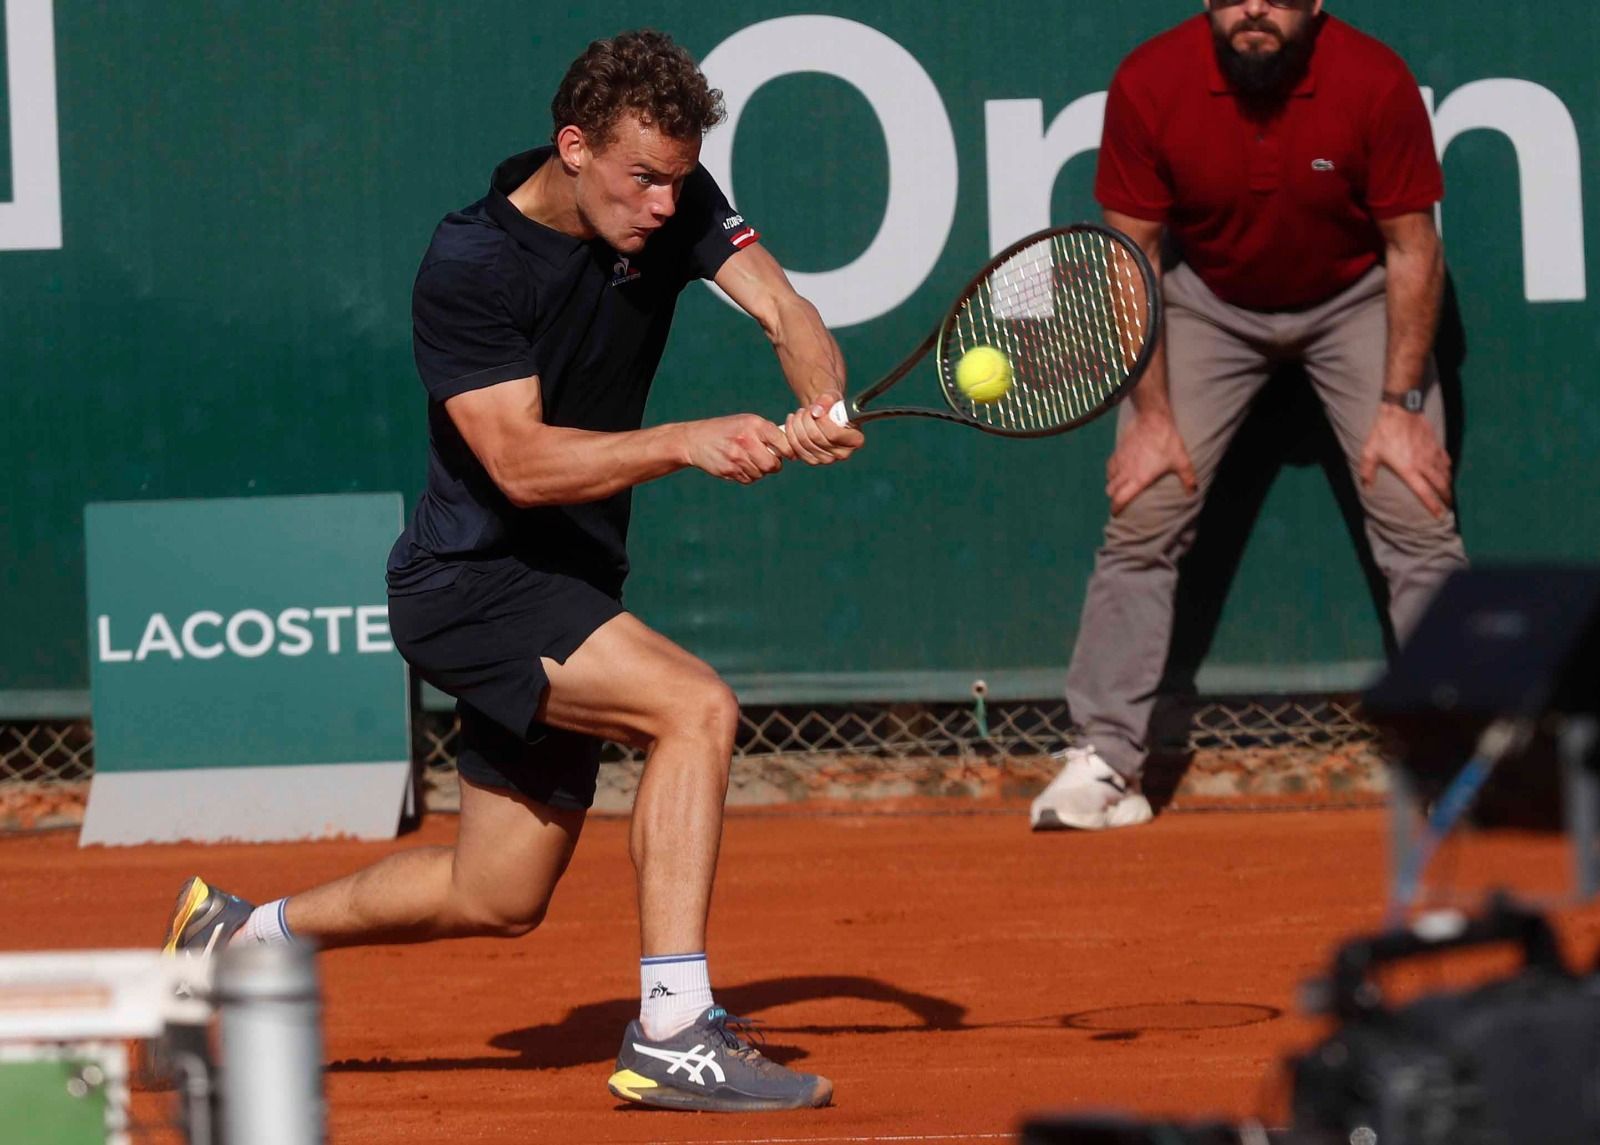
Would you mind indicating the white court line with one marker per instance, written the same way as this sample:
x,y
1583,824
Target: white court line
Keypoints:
x,y
858,1140
852,1141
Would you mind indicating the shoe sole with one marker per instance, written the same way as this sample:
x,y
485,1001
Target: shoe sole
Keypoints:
x,y
1048,820
191,903
635,1087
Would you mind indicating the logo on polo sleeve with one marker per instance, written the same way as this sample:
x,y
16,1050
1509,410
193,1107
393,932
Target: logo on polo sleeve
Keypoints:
x,y
739,234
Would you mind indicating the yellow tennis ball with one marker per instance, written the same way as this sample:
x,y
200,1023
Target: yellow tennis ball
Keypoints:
x,y
983,374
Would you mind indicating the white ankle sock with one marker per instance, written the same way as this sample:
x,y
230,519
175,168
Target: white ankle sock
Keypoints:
x,y
674,990
266,926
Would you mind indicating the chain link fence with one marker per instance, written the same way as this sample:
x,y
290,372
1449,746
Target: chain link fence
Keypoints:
x,y
1265,744
49,751
918,731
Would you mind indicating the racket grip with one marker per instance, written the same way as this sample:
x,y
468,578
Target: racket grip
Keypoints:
x,y
839,413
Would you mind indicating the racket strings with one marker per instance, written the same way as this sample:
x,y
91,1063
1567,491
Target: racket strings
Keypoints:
x,y
1024,406
1072,315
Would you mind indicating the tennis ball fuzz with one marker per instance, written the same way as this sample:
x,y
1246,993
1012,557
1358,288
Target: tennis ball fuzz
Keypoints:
x,y
983,374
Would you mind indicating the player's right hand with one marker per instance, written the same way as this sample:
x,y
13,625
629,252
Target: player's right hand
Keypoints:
x,y
1147,449
816,438
741,447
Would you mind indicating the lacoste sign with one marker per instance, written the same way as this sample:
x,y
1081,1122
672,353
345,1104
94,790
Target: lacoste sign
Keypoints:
x,y
243,680
335,630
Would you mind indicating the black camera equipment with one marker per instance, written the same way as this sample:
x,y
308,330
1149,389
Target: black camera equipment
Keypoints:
x,y
1503,668
1513,1062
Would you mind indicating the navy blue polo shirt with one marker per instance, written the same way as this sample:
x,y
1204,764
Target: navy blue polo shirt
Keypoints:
x,y
500,297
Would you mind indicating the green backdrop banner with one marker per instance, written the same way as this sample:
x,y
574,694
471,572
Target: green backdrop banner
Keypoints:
x,y
211,225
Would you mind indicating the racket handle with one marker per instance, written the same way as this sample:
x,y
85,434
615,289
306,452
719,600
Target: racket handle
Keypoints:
x,y
839,413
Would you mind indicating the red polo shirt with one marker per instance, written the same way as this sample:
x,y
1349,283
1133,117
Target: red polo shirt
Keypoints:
x,y
1271,213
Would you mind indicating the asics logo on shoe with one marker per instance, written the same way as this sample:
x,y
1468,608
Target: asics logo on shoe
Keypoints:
x,y
693,1062
659,990
216,936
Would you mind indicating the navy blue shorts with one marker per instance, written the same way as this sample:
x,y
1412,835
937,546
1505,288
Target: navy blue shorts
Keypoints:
x,y
480,640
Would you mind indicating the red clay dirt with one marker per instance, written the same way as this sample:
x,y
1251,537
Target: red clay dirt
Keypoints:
x,y
950,971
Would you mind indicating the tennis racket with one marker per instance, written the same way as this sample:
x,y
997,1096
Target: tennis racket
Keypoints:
x,y
1075,310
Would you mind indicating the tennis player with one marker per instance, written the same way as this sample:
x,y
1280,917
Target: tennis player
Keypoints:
x,y
540,314
1290,160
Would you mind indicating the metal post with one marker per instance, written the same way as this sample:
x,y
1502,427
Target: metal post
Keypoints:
x,y
271,1046
1404,811
1580,799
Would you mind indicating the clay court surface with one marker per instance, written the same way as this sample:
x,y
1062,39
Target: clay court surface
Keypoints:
x,y
950,971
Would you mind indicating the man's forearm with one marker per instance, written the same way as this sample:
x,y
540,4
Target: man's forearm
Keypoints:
x,y
555,465
1415,290
807,352
1149,395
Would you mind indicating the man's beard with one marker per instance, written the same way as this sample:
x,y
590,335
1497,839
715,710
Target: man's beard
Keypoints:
x,y
1265,77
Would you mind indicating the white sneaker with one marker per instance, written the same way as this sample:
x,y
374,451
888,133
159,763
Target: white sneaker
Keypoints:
x,y
1089,796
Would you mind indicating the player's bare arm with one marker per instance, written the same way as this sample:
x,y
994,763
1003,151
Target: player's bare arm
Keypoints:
x,y
1149,446
534,463
807,352
1403,439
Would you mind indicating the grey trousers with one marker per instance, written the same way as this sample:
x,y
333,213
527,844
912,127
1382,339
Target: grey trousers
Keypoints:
x,y
1218,358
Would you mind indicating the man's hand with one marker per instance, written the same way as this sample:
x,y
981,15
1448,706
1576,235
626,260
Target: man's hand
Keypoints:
x,y
1148,449
1406,443
741,447
816,438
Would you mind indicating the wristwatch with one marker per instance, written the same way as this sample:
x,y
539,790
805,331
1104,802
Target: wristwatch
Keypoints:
x,y
1408,400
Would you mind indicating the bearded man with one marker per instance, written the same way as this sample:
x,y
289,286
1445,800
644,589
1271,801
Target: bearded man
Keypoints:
x,y
1290,161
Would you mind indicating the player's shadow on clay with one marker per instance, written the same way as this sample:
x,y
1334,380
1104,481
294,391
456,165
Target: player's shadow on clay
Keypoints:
x,y
591,1033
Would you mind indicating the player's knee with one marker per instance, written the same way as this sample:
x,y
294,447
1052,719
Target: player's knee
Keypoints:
x,y
512,924
501,919
717,710
704,709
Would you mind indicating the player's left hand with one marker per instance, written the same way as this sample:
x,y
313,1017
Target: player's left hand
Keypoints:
x,y
1407,444
816,438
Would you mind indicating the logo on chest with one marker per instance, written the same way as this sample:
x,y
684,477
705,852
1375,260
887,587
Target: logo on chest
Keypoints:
x,y
1322,164
623,271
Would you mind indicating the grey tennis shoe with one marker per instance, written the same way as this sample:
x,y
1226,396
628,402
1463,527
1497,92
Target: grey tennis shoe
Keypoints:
x,y
204,919
710,1067
1087,795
